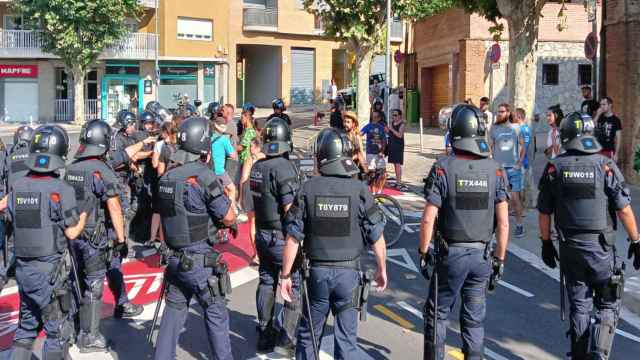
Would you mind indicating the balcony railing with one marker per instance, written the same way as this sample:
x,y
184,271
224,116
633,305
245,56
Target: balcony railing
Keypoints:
x,y
396,30
135,46
28,44
148,3
256,19
64,109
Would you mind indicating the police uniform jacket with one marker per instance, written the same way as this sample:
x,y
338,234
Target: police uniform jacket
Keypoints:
x,y
466,190
334,217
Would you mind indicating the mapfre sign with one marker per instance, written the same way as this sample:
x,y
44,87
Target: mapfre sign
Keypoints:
x,y
18,71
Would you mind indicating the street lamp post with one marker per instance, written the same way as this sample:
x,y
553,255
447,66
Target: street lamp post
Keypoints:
x,y
388,61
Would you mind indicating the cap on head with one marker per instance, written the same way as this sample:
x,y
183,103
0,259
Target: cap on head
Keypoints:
x,y
333,153
467,130
48,149
574,136
95,139
213,109
276,137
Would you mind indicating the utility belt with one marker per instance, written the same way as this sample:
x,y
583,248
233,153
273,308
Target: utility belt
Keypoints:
x,y
348,264
219,282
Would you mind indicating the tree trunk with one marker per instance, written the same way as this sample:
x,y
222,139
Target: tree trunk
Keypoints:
x,y
78,95
523,19
363,63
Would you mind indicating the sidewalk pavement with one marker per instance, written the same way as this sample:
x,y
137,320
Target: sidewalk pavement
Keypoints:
x,y
418,162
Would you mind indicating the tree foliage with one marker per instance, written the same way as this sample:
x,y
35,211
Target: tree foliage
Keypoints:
x,y
78,30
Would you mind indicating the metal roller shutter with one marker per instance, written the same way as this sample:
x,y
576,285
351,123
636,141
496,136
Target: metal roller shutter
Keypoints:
x,y
377,65
440,88
302,76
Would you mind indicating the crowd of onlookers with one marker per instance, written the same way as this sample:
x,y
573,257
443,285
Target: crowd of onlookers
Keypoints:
x,y
378,142
512,140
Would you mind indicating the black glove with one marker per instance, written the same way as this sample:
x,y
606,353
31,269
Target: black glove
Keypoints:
x,y
427,264
634,252
122,249
233,229
497,267
549,254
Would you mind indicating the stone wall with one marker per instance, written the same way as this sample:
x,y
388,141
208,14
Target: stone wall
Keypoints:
x,y
568,55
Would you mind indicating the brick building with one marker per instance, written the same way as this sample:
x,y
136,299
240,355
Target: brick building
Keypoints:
x,y
622,59
452,58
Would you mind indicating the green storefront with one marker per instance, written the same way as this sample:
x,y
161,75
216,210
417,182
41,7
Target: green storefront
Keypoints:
x,y
122,88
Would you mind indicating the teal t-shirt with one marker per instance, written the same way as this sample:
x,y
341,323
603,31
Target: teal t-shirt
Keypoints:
x,y
221,148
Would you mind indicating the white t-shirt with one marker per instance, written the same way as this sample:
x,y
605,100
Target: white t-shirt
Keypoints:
x,y
334,92
394,102
550,142
157,148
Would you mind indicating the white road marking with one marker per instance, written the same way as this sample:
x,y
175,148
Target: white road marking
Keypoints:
x,y
627,335
516,289
406,261
417,313
326,349
535,261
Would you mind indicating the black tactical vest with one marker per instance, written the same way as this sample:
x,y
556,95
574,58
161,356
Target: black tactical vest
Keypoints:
x,y
581,202
467,212
262,182
181,226
35,232
17,162
332,226
80,176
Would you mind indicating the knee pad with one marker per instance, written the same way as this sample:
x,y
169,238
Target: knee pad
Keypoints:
x,y
96,288
602,333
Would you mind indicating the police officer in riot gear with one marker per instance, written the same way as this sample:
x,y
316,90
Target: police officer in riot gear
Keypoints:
x,y
586,194
274,184
42,211
16,160
278,111
102,245
189,195
123,138
335,217
463,192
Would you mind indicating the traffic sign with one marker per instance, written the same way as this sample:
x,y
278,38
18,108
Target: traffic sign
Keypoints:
x,y
495,53
591,46
397,56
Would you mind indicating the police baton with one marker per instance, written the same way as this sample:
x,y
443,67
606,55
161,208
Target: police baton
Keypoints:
x,y
305,277
156,312
436,253
74,270
562,279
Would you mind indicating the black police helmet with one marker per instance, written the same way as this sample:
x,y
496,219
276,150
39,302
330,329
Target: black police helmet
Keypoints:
x,y
332,150
276,137
95,139
278,104
250,108
194,140
573,135
146,117
213,109
48,149
467,130
158,110
23,135
124,119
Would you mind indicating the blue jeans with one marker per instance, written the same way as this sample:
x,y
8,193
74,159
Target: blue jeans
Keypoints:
x,y
463,271
331,289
